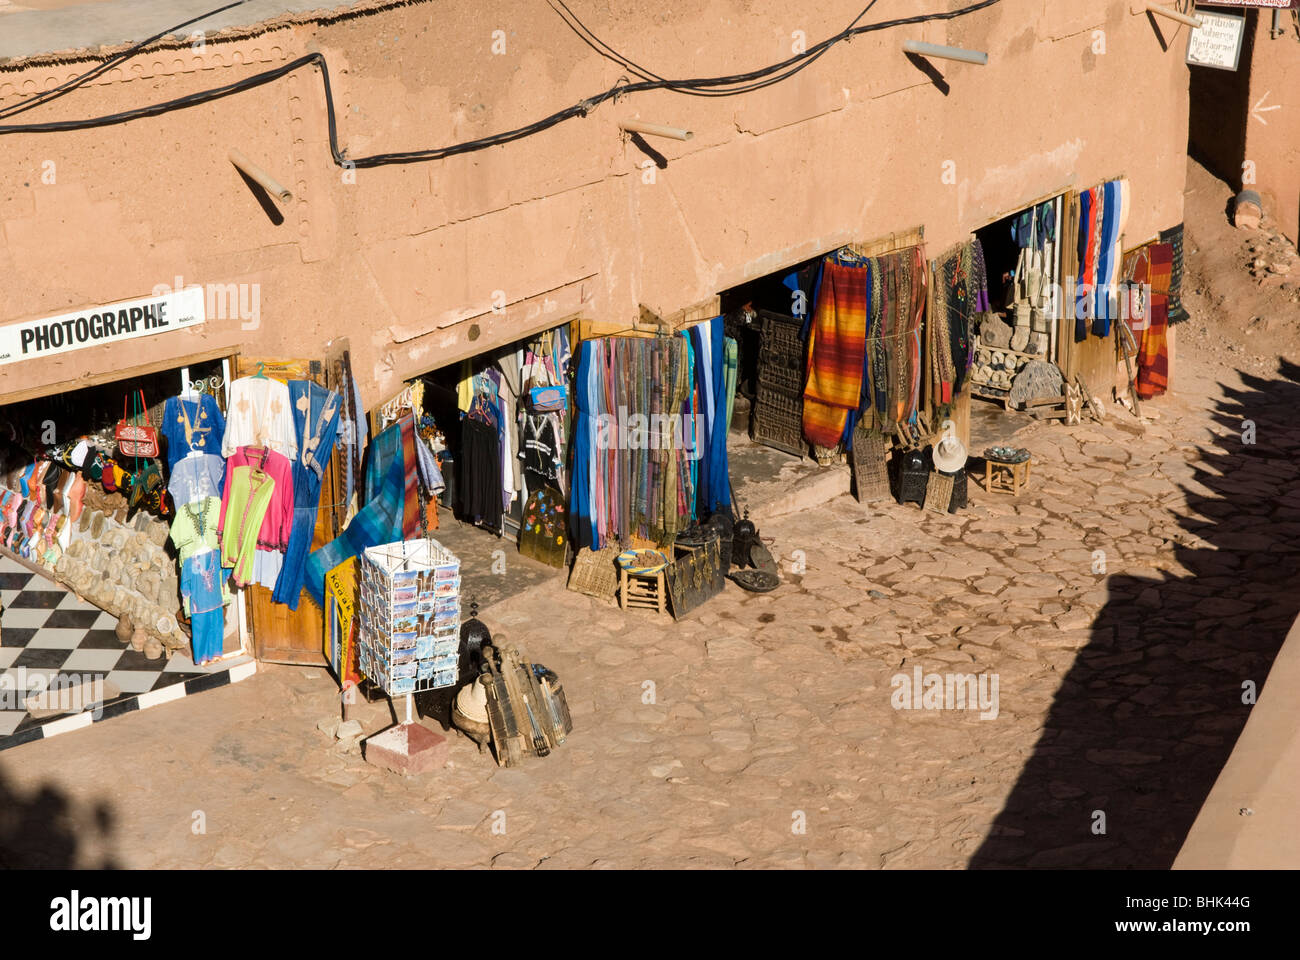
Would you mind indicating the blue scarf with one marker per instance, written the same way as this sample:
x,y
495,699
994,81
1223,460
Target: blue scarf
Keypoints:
x,y
380,521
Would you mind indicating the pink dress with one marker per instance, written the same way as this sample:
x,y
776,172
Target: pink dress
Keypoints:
x,y
277,524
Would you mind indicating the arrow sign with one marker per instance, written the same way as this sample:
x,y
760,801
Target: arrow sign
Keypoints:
x,y
1260,108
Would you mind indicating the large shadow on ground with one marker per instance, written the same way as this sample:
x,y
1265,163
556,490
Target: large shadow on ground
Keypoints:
x,y
1148,714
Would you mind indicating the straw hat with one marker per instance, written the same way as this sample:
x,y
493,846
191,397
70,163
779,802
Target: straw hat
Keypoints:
x,y
949,455
472,701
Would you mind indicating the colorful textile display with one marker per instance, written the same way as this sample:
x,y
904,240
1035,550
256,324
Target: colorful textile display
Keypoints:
x,y
195,527
714,478
905,347
1103,213
316,419
191,425
259,415
637,445
391,511
1150,268
196,477
960,288
276,525
352,429
883,377
203,587
837,342
340,625
543,533
1174,237
247,500
541,450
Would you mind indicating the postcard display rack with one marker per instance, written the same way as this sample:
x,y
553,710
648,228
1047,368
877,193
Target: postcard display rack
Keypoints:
x,y
408,639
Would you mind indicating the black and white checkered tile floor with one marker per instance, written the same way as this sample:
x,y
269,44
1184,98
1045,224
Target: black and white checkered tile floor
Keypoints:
x,y
45,630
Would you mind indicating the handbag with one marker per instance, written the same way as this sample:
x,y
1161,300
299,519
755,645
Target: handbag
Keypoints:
x,y
550,399
133,439
148,492
544,394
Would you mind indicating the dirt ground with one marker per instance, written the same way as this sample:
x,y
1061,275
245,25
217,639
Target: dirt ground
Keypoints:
x,y
1244,315
1121,601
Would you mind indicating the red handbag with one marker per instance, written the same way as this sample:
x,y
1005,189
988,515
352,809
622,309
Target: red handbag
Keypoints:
x,y
133,439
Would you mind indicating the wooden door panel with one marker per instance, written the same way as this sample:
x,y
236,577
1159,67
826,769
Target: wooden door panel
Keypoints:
x,y
281,635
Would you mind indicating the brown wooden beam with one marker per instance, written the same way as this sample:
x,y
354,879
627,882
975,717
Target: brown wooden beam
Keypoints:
x,y
95,379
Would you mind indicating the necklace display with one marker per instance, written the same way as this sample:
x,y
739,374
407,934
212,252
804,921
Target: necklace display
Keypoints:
x,y
200,521
190,429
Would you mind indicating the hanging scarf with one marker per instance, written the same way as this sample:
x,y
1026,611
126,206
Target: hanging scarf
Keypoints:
x,y
836,350
386,516
1085,300
1149,270
1114,218
581,507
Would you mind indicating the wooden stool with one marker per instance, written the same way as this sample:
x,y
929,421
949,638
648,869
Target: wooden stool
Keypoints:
x,y
641,580
1001,476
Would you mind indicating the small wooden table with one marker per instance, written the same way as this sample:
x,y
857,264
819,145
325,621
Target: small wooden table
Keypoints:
x,y
641,580
1003,476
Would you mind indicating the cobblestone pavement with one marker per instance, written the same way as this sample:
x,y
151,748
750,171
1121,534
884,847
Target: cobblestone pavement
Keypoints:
x,y
771,739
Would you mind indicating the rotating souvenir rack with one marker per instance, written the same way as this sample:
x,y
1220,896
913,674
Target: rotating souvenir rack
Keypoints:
x,y
409,636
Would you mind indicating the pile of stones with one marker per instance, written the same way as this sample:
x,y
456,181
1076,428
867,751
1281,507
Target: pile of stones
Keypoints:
x,y
125,569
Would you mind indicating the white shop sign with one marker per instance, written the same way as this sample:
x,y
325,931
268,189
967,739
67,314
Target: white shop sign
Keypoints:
x,y
1271,4
1217,42
108,323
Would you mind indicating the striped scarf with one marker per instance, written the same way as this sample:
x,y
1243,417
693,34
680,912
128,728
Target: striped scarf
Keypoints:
x,y
836,348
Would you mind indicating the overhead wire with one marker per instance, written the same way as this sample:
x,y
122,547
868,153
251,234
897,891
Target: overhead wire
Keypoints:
x,y
731,85
68,86
605,50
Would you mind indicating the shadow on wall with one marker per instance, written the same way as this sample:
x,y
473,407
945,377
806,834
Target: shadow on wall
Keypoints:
x,y
1149,712
1218,112
43,830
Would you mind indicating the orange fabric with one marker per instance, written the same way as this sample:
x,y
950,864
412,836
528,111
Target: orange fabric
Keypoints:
x,y
837,343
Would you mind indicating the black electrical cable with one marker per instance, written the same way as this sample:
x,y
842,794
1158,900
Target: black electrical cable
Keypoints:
x,y
589,37
774,72
66,87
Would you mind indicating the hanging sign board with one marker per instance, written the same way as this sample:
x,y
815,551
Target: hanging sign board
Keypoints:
x,y
95,325
1217,42
1268,4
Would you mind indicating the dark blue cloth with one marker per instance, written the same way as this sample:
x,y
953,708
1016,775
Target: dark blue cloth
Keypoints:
x,y
581,528
1106,266
714,485
1083,297
379,521
206,419
316,429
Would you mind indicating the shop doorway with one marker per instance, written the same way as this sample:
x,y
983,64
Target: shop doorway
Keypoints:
x,y
81,558
1017,345
500,440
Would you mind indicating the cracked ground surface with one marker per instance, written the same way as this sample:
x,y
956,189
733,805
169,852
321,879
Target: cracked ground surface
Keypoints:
x,y
771,738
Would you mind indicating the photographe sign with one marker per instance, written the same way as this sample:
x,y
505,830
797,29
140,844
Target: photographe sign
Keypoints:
x,y
108,323
1217,42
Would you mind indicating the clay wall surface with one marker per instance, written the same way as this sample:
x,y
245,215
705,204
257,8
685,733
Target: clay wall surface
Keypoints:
x,y
1273,124
409,261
